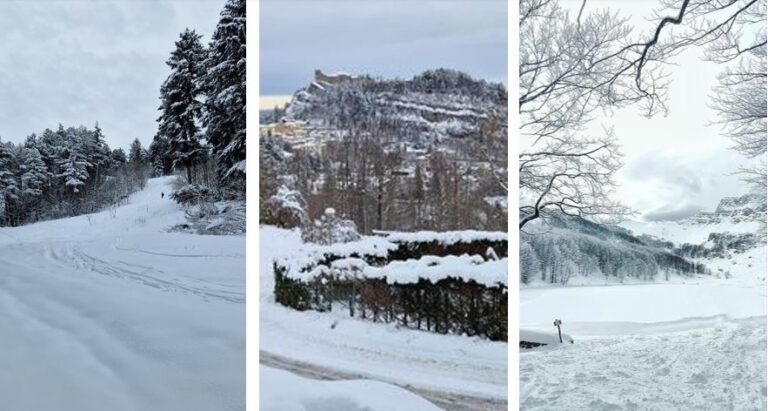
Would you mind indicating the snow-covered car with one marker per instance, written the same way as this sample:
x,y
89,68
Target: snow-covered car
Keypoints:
x,y
535,338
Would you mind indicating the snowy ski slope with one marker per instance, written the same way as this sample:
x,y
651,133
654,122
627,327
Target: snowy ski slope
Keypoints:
x,y
111,310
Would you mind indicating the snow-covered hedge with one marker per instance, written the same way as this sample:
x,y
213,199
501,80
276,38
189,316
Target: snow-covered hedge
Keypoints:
x,y
417,244
399,246
388,279
429,267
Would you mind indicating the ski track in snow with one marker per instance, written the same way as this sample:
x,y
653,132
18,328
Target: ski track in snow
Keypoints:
x,y
84,323
72,256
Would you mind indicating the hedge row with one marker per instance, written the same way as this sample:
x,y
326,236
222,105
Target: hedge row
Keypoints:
x,y
451,305
408,250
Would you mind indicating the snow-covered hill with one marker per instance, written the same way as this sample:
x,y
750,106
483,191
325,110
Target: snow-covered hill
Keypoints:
x,y
423,111
111,310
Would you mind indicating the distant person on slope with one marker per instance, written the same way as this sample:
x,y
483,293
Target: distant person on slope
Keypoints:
x,y
162,194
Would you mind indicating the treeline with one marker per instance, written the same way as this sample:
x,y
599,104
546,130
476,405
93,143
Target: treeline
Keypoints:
x,y
572,248
66,172
372,183
202,121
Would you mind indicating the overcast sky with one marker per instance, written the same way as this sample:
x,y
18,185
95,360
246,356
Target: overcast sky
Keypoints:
x,y
78,62
379,37
674,165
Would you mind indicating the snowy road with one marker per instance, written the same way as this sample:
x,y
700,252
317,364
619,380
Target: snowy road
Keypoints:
x,y
112,309
470,367
445,400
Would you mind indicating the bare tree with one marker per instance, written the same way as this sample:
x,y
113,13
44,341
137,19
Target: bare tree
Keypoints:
x,y
732,33
573,176
572,67
569,69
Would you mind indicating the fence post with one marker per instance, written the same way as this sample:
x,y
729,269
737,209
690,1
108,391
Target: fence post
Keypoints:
x,y
559,335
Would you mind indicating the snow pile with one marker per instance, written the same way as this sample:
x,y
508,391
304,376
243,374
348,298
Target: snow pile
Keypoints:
x,y
283,391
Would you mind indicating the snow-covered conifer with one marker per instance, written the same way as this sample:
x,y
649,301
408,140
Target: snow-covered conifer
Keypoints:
x,y
181,107
224,87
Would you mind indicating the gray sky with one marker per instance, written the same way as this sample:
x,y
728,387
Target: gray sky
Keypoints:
x,y
78,62
379,37
674,165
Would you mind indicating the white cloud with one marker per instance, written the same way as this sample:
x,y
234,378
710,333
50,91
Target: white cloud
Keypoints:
x,y
78,62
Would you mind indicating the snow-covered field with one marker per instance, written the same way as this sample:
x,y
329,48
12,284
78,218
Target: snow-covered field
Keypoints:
x,y
111,311
383,352
697,343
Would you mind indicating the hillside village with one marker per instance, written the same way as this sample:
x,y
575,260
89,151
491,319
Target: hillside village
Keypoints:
x,y
402,147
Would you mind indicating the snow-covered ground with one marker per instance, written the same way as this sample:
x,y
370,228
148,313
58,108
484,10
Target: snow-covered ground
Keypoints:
x,y
697,343
384,352
111,310
282,391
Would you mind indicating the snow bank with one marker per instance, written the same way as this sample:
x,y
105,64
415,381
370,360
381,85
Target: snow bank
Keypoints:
x,y
283,391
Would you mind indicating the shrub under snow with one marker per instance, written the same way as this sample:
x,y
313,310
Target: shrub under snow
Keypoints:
x,y
330,229
285,209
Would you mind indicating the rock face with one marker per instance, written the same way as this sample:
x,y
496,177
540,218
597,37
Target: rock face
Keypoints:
x,y
750,207
746,208
423,111
331,79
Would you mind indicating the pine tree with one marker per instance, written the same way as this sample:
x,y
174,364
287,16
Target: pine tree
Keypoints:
x,y
98,152
34,173
159,156
74,169
181,109
118,157
224,86
137,159
9,185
